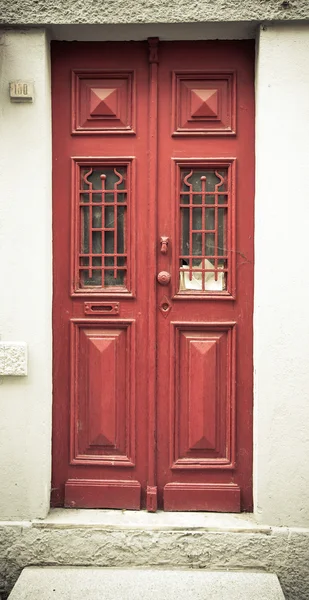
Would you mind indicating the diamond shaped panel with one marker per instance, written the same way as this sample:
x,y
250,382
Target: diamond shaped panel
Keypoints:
x,y
204,103
103,102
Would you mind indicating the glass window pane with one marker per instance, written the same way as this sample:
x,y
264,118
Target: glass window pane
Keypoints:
x,y
203,229
103,215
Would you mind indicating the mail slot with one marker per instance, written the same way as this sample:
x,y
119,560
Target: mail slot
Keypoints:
x,y
101,308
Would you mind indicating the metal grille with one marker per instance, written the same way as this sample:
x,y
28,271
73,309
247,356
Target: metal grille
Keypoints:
x,y
204,199
103,213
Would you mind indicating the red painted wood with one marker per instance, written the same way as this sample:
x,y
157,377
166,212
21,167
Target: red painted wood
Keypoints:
x,y
152,498
80,164
100,414
228,164
202,396
103,393
103,104
204,101
101,308
152,168
85,493
202,496
210,393
151,407
202,383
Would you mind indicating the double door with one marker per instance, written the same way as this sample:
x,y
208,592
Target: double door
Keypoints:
x,y
153,171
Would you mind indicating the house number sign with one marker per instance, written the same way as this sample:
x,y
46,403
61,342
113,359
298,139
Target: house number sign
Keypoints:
x,y
21,91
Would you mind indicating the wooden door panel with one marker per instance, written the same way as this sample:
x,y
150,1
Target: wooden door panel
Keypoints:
x,y
203,396
102,493
104,102
203,103
218,497
103,393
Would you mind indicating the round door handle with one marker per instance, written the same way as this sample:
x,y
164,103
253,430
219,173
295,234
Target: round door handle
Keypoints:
x,y
164,277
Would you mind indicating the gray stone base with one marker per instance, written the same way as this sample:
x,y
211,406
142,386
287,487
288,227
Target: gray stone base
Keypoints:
x,y
76,583
117,539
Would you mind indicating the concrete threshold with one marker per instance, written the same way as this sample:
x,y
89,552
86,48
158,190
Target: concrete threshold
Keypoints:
x,y
125,519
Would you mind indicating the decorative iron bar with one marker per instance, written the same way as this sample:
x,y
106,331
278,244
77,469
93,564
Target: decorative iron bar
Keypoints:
x,y
103,212
204,201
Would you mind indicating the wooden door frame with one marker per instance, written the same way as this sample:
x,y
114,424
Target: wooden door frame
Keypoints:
x,y
152,492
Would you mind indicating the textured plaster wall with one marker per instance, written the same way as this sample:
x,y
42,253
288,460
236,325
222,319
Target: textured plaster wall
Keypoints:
x,y
13,358
281,322
25,275
282,551
27,12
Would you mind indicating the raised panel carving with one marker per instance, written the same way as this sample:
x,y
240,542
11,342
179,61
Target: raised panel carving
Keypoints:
x,y
202,396
98,493
218,497
202,368
100,381
204,103
103,102
102,408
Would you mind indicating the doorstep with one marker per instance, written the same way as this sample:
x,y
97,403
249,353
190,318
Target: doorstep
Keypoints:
x,y
76,583
127,519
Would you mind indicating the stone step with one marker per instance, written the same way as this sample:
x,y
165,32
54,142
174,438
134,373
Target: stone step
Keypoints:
x,y
87,583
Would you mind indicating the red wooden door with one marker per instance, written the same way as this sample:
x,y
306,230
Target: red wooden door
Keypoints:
x,y
153,250
204,325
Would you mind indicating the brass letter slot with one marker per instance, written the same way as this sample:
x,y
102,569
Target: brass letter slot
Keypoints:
x,y
95,308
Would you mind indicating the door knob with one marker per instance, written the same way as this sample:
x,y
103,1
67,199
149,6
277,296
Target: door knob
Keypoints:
x,y
164,277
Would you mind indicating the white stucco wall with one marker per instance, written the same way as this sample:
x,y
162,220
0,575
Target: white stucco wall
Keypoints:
x,y
25,275
281,323
281,472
